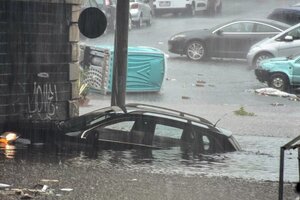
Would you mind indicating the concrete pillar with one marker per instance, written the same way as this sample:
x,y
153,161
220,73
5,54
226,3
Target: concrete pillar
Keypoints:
x,y
39,67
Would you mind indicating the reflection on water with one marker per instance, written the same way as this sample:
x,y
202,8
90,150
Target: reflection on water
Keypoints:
x,y
8,150
258,160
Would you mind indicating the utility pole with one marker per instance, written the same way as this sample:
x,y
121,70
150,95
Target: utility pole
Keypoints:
x,y
120,54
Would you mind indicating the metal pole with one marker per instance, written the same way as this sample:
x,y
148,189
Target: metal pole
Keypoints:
x,y
120,54
281,173
299,162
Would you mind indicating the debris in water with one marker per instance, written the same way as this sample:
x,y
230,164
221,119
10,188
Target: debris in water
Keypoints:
x,y
3,186
243,112
49,180
185,97
170,79
201,82
199,85
66,189
8,137
26,196
277,104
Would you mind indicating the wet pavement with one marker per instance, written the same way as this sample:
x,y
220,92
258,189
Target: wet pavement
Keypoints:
x,y
87,173
170,174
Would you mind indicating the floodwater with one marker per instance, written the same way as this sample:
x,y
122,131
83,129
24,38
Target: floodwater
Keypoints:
x,y
259,159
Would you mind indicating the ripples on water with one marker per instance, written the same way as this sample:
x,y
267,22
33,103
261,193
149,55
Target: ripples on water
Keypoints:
x,y
258,160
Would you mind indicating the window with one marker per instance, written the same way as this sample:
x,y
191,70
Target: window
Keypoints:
x,y
168,131
206,143
295,33
265,28
121,126
239,27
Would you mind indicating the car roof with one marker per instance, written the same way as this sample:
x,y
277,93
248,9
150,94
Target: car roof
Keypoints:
x,y
145,108
258,20
266,21
292,8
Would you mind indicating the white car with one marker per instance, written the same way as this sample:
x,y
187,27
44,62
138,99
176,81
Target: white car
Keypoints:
x,y
286,43
140,12
187,6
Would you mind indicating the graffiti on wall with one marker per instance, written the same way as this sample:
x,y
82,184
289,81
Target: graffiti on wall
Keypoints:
x,y
43,100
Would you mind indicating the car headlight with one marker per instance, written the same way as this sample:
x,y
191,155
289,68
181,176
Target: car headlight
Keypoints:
x,y
176,37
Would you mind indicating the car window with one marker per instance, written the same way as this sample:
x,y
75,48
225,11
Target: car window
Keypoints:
x,y
295,33
119,131
121,126
206,143
265,28
239,27
168,131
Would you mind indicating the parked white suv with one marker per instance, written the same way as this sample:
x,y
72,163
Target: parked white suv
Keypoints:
x,y
187,6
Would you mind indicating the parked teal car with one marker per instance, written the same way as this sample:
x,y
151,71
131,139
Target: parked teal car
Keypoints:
x,y
146,68
280,73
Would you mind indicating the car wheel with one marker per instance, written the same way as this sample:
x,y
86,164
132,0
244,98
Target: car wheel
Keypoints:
x,y
149,22
279,81
260,57
195,50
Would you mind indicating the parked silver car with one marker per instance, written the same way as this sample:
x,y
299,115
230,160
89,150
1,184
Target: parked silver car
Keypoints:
x,y
286,43
140,12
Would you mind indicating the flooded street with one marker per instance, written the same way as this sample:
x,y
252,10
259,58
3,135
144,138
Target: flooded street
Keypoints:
x,y
90,173
259,159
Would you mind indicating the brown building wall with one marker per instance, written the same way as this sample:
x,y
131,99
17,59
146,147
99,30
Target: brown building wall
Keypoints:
x,y
38,60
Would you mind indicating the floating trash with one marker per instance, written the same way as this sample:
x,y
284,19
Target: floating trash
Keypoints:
x,y
66,189
50,180
8,137
3,186
185,97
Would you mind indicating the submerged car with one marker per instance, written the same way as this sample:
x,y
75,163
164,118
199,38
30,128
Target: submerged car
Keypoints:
x,y
229,40
286,43
140,12
141,125
280,73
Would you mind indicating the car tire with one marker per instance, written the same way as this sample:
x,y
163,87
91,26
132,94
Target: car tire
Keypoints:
x,y
195,50
279,81
260,57
149,22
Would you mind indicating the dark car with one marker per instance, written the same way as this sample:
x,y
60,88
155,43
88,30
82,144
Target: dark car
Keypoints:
x,y
229,40
108,7
289,15
140,125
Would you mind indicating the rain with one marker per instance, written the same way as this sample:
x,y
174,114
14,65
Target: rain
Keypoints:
x,y
66,73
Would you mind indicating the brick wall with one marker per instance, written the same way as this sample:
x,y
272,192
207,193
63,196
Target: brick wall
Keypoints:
x,y
38,60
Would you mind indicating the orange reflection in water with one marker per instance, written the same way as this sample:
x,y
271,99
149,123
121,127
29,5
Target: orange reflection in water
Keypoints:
x,y
8,150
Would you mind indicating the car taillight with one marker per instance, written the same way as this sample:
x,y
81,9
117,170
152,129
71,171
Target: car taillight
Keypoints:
x,y
135,6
